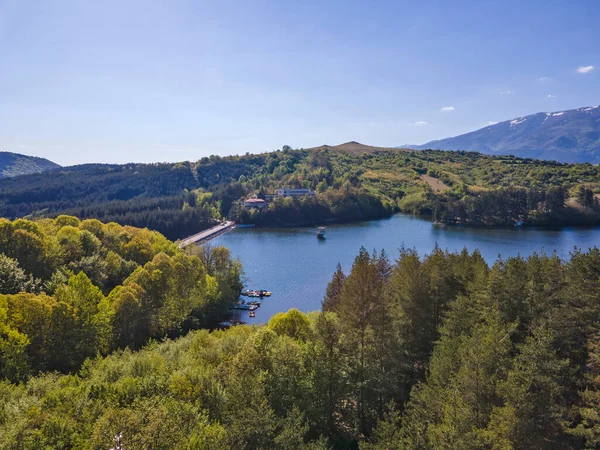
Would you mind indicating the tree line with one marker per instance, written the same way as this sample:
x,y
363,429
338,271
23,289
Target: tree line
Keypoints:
x,y
183,198
341,206
441,351
510,206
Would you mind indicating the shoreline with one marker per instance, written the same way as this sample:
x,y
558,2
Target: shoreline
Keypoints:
x,y
429,218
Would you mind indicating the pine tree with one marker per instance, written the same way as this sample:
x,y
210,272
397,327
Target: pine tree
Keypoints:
x,y
389,352
533,397
330,370
408,293
334,289
465,399
589,410
356,306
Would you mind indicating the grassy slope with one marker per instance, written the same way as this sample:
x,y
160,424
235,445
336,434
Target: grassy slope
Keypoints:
x,y
385,170
405,178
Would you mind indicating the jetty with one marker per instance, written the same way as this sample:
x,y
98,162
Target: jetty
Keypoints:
x,y
207,235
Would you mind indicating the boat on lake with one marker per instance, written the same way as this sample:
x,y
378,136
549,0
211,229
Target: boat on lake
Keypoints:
x,y
244,307
256,293
321,233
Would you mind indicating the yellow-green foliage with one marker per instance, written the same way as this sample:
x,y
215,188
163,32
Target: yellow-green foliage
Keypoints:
x,y
292,323
204,390
89,288
435,352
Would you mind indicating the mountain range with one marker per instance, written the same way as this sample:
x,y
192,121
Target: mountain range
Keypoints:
x,y
13,164
565,136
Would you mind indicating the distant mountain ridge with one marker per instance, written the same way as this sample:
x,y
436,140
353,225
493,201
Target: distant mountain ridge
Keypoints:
x,y
14,164
565,136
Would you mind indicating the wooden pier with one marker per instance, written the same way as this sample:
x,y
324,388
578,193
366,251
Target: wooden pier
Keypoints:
x,y
207,235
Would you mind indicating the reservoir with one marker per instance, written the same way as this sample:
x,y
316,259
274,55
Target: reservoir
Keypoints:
x,y
296,266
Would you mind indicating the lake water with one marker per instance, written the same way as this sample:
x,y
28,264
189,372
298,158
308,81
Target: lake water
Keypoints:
x,y
296,266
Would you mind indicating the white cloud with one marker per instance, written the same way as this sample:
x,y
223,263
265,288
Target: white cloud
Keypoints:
x,y
550,96
542,79
491,122
447,108
507,92
420,123
585,69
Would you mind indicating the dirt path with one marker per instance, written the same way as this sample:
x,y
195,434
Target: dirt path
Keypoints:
x,y
436,184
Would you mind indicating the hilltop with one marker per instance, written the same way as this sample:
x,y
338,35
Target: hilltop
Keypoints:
x,y
355,148
565,136
352,182
13,164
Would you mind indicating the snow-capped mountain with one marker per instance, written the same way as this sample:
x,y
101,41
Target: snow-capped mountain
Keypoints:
x,y
566,136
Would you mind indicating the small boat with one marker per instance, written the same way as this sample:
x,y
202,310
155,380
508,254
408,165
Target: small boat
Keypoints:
x,y
244,307
254,302
255,293
250,293
252,314
321,233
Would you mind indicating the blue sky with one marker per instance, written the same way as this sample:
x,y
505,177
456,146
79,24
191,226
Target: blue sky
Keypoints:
x,y
121,81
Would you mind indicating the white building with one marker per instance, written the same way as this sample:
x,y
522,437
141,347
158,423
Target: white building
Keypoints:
x,y
292,192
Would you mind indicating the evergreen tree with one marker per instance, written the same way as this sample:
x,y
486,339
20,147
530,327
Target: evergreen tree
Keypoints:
x,y
588,427
389,351
356,306
533,409
408,292
464,401
334,289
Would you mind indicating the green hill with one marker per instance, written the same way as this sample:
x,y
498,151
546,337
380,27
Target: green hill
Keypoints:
x,y
14,164
352,182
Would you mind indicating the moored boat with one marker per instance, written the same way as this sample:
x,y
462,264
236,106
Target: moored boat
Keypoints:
x,y
244,307
256,293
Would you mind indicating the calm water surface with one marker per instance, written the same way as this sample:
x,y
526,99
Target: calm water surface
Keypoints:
x,y
296,266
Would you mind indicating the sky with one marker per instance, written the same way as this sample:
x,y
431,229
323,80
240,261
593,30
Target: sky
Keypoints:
x,y
144,81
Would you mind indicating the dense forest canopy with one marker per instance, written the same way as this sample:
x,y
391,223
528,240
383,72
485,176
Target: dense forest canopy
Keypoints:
x,y
431,352
72,289
181,199
15,164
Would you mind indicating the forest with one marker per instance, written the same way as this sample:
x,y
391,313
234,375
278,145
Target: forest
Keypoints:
x,y
181,199
71,290
421,352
